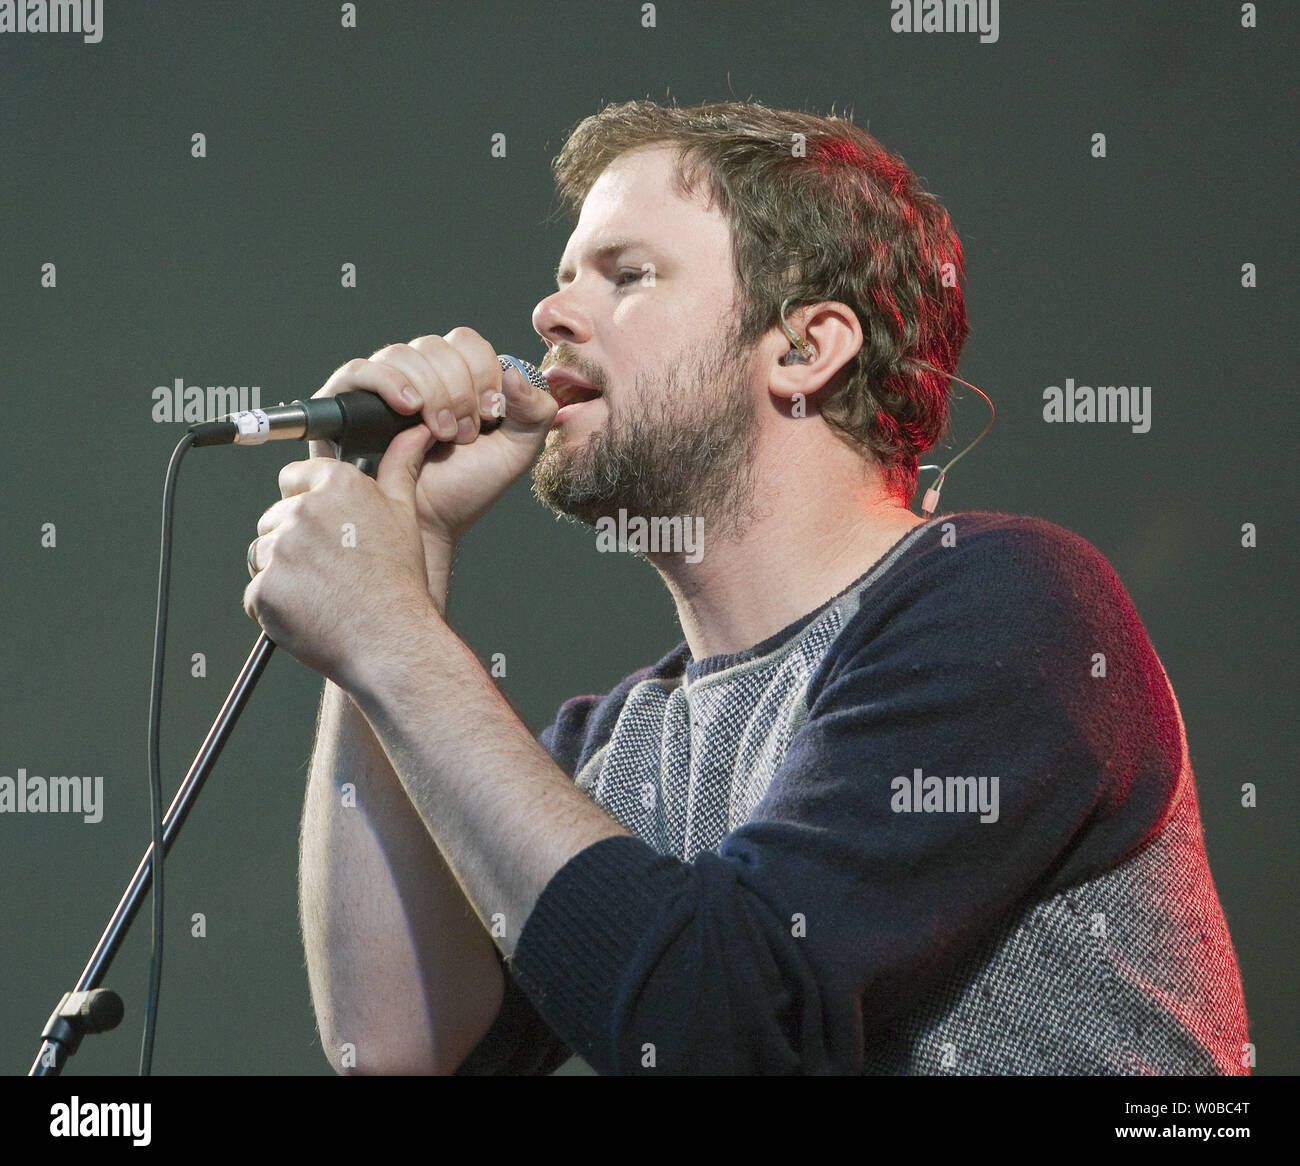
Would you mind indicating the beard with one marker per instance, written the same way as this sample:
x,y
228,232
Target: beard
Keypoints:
x,y
686,451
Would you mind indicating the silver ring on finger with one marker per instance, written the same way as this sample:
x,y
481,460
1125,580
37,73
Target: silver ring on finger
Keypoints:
x,y
253,568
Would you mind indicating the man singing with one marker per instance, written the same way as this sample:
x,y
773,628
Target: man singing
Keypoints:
x,y
911,796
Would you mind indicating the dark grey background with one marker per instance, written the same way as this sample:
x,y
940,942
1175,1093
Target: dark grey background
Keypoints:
x,y
372,146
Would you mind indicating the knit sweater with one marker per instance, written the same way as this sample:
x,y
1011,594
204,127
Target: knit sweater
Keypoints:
x,y
945,823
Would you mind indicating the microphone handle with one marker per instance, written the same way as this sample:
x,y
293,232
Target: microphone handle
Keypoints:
x,y
358,424
357,413
358,429
362,424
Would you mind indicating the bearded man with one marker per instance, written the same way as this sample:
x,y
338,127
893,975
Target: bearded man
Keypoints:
x,y
881,811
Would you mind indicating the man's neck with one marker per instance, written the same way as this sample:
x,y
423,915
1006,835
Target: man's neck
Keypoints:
x,y
798,553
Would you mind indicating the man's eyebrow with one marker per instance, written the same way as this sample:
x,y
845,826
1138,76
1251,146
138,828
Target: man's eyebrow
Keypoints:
x,y
604,251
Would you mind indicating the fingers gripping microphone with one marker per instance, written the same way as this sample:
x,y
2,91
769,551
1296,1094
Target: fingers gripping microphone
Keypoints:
x,y
358,424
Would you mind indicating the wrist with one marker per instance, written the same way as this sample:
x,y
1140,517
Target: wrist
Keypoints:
x,y
410,642
438,554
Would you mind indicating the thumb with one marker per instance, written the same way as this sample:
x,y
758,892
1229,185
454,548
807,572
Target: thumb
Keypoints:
x,y
400,468
526,406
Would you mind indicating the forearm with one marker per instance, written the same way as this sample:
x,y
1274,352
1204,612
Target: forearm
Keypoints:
x,y
503,815
399,967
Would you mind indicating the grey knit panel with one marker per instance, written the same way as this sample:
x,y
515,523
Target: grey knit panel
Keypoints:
x,y
687,763
1139,955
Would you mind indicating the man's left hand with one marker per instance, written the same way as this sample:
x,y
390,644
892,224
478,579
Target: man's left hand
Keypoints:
x,y
340,562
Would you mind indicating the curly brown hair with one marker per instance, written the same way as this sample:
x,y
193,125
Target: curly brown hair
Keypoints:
x,y
818,210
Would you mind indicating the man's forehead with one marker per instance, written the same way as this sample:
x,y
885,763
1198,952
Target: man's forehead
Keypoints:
x,y
636,202
645,171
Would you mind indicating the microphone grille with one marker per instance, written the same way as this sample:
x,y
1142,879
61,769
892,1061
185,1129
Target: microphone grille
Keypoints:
x,y
528,371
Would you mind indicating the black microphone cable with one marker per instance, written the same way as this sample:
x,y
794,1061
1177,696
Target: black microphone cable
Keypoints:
x,y
155,769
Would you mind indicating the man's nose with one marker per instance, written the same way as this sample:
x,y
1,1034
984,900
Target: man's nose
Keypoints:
x,y
558,319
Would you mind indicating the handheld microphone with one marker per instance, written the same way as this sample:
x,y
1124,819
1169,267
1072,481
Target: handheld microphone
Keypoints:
x,y
358,420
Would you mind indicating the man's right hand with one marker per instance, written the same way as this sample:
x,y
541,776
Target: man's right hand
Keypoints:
x,y
464,470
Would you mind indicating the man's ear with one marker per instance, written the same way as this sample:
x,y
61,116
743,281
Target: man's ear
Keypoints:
x,y
823,338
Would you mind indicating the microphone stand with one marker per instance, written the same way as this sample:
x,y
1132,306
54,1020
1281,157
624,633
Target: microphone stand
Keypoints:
x,y
89,1008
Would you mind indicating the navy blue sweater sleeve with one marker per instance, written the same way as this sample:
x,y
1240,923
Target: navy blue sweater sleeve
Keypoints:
x,y
518,1043
833,908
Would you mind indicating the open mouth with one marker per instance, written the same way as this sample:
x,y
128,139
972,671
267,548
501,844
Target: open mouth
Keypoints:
x,y
569,389
573,394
